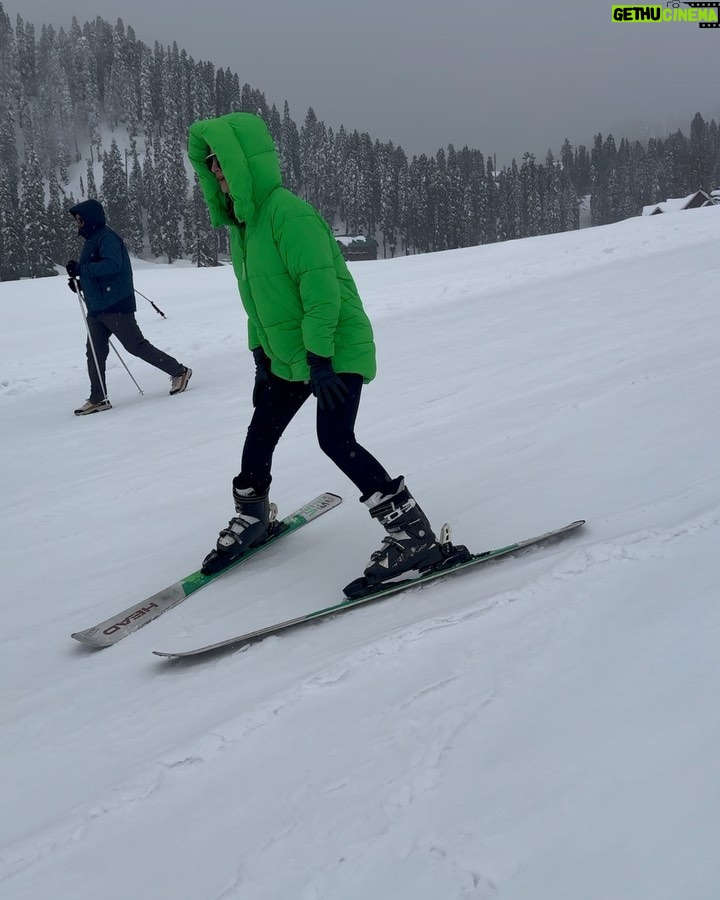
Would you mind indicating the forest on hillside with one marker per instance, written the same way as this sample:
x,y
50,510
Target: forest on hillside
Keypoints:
x,y
97,101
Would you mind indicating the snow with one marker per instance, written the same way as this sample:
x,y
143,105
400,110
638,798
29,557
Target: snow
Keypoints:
x,y
545,729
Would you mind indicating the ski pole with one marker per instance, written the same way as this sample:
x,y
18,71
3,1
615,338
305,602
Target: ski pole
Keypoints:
x,y
90,341
157,310
140,390
82,299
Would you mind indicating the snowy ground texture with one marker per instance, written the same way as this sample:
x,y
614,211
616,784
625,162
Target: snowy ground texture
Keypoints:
x,y
544,729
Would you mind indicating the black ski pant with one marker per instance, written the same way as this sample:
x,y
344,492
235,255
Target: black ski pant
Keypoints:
x,y
278,404
124,327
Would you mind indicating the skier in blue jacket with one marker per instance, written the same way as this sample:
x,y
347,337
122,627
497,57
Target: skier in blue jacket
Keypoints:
x,y
104,274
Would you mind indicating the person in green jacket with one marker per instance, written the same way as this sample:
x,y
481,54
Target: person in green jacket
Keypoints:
x,y
308,333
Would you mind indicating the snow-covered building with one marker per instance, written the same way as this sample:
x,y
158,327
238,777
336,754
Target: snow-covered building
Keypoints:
x,y
357,247
692,201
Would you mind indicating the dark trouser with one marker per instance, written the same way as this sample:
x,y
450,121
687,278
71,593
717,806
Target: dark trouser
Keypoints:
x,y
278,403
127,331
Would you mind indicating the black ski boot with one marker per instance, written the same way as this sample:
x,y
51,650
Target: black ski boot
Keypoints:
x,y
247,529
410,547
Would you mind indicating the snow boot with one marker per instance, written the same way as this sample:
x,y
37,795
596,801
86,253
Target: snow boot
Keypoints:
x,y
411,545
247,529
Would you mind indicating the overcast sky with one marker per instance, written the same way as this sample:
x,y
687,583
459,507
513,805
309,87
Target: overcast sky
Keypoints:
x,y
501,77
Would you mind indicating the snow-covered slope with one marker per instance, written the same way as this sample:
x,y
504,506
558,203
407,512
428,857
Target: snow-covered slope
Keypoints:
x,y
546,729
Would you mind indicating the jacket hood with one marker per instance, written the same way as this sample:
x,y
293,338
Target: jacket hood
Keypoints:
x,y
246,153
93,216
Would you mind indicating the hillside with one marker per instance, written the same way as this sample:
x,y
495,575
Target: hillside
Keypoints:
x,y
544,730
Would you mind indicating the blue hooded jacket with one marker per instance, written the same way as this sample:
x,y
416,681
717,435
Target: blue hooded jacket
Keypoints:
x,y
105,269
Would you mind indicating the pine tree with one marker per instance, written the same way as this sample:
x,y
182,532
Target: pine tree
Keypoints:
x,y
517,203
201,238
476,221
27,57
456,190
611,161
247,101
154,219
9,59
648,174
503,205
700,159
131,96
677,161
135,232
364,200
145,90
114,193
310,149
715,149
405,210
234,94
328,176
25,120
119,101
274,125
57,223
92,191
567,160
569,206
171,197
599,177
12,258
419,221
551,195
532,218
439,202
389,218
289,151
492,205
350,181
38,253
582,175
85,87
222,103
200,95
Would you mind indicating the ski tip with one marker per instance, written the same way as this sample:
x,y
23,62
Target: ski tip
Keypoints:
x,y
571,526
87,639
86,634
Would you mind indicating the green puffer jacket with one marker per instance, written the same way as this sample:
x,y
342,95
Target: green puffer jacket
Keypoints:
x,y
294,283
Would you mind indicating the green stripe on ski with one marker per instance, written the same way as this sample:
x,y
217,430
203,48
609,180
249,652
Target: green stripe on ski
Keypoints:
x,y
347,604
198,580
433,576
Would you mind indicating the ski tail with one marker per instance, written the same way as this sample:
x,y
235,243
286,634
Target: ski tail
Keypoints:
x,y
129,620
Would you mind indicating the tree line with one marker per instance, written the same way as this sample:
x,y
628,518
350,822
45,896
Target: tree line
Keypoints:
x,y
74,98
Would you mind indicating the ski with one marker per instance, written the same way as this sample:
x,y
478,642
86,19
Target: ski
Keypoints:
x,y
458,559
114,629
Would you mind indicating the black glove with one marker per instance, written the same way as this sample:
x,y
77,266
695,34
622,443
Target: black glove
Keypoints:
x,y
72,268
327,386
73,285
262,374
